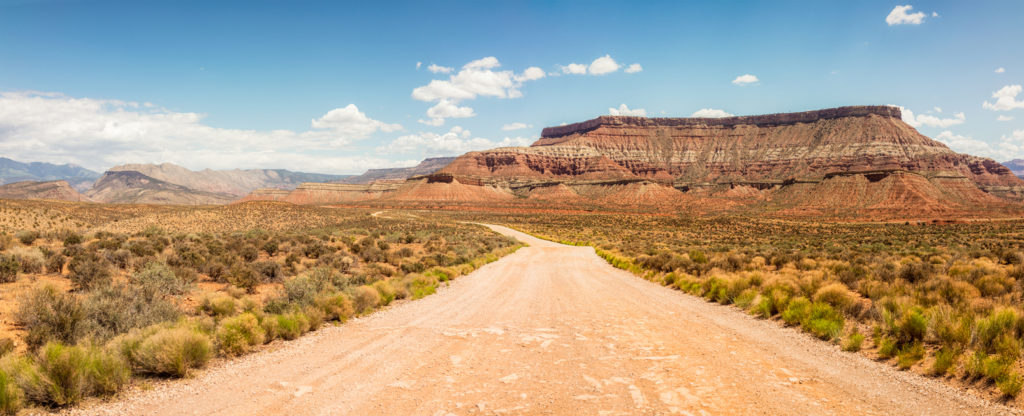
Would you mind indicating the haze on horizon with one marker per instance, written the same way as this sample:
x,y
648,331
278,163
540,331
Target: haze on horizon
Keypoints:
x,y
322,87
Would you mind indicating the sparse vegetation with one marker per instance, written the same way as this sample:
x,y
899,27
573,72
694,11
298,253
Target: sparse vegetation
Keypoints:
x,y
124,304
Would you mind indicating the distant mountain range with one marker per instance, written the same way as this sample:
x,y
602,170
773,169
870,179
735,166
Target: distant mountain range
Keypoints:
x,y
13,171
426,167
1016,166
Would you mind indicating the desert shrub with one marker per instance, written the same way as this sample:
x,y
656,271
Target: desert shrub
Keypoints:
x,y
30,260
824,321
909,355
950,327
249,253
89,271
9,267
6,346
269,270
998,322
421,286
114,309
157,281
244,277
797,311
1010,384
916,271
271,328
164,350
853,342
887,347
365,298
837,295
238,334
119,258
291,325
912,326
218,306
945,359
335,307
976,364
49,314
745,298
63,375
387,293
27,237
698,257
270,247
314,317
11,396
55,263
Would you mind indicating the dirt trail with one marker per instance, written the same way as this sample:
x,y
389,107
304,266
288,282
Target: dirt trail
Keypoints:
x,y
552,329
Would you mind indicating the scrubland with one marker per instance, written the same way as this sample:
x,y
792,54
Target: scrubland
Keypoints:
x,y
98,297
939,299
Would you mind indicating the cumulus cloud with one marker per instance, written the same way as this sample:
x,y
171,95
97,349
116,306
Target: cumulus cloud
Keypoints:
x,y
600,66
710,113
516,126
446,109
456,141
1000,70
1004,118
745,79
1006,99
418,65
438,69
574,69
476,78
931,120
603,65
900,16
98,134
964,144
626,111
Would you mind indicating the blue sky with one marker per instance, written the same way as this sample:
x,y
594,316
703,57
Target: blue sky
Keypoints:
x,y
329,86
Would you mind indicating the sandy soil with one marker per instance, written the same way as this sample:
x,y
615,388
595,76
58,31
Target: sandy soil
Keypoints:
x,y
552,329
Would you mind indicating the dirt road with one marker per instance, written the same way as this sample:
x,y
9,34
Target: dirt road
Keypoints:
x,y
555,330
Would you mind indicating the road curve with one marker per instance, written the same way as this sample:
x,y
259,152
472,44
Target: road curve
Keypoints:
x,y
551,329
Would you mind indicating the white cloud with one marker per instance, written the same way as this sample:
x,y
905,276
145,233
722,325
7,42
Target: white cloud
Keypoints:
x,y
456,141
935,14
98,134
710,113
516,126
574,69
937,109
476,78
530,74
603,65
634,68
1000,70
1006,99
352,123
626,111
446,109
964,144
438,69
899,16
930,120
418,65
745,79
1004,118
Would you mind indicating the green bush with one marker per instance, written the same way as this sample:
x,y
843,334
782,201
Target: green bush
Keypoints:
x,y
824,321
913,326
945,359
1010,384
292,325
909,355
243,276
11,396
63,375
9,267
798,310
887,348
238,334
421,287
853,342
49,314
271,328
158,280
165,350
999,322
89,271
387,293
